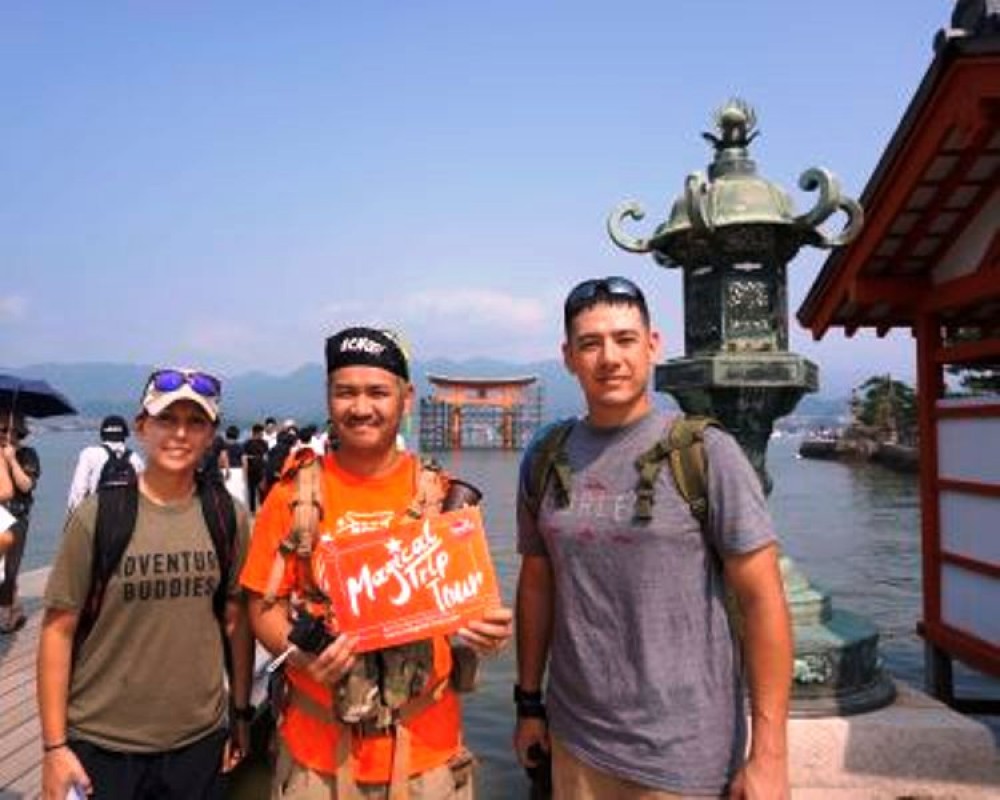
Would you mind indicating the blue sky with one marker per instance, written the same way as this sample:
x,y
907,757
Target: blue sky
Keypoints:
x,y
224,184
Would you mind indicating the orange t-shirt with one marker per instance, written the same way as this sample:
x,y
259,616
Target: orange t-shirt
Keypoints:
x,y
353,504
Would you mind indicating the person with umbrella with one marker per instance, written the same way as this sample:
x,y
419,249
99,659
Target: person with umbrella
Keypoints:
x,y
22,468
20,398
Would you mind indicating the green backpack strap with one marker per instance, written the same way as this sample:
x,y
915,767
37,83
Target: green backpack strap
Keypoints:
x,y
683,448
548,458
689,468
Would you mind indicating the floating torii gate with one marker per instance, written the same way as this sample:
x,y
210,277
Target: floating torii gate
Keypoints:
x,y
496,413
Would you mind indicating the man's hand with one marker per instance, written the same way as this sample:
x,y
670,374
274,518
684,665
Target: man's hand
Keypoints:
x,y
761,778
530,731
61,771
489,635
332,664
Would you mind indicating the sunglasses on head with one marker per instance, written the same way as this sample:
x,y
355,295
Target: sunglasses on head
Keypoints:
x,y
614,286
170,380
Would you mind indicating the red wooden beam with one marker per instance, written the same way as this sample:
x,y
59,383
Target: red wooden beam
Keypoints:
x,y
969,487
969,213
968,352
968,412
961,98
904,293
963,646
930,387
972,564
991,258
967,156
977,287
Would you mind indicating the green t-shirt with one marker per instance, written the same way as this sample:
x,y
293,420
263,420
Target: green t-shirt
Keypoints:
x,y
150,676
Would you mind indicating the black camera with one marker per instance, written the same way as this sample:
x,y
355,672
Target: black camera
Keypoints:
x,y
540,774
309,633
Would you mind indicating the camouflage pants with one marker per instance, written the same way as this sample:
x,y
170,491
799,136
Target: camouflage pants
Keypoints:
x,y
451,781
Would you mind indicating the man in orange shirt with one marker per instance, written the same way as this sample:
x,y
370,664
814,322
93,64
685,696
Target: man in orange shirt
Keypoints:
x,y
365,484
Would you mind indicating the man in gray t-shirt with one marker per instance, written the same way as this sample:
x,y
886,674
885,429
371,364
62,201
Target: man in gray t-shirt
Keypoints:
x,y
645,685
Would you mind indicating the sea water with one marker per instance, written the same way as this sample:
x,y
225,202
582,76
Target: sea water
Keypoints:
x,y
852,529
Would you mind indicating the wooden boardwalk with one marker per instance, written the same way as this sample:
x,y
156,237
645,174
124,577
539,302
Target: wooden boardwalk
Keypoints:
x,y
20,742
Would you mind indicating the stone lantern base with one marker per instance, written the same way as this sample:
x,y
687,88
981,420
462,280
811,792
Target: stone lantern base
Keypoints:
x,y
838,671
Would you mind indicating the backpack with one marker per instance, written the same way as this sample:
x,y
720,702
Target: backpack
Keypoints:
x,y
117,509
117,470
682,447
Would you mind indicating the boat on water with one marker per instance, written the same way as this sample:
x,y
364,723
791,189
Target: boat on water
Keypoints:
x,y
850,446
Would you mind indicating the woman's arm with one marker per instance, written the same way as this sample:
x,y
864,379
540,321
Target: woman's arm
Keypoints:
x,y
241,648
22,480
60,767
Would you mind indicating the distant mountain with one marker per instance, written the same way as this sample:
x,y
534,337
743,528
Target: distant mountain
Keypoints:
x,y
97,389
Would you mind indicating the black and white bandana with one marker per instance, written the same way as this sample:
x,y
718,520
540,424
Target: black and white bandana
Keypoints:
x,y
366,347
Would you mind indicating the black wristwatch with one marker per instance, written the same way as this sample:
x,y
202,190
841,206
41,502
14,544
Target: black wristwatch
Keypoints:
x,y
529,704
244,714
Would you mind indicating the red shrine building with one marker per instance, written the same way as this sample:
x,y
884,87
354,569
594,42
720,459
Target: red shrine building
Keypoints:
x,y
928,260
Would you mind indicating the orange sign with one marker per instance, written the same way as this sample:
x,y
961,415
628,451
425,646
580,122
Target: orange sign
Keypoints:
x,y
409,581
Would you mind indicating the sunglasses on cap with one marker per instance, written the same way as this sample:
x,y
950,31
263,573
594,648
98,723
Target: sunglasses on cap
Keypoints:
x,y
170,380
584,294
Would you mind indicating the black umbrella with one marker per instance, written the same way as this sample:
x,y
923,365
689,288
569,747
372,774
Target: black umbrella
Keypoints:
x,y
32,398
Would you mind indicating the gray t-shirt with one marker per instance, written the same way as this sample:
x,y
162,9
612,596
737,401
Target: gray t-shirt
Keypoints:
x,y
644,681
149,676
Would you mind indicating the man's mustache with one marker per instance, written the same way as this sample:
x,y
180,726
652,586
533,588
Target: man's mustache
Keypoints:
x,y
362,420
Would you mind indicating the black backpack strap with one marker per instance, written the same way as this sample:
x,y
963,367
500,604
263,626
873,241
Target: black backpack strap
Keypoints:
x,y
114,455
117,509
219,511
220,517
546,459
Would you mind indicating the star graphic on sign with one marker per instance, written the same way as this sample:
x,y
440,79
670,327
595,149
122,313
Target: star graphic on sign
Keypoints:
x,y
393,545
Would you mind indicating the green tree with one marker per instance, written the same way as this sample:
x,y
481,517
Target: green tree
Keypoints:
x,y
889,406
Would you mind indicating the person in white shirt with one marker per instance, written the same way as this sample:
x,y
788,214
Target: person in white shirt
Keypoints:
x,y
271,432
114,431
7,521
